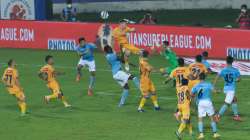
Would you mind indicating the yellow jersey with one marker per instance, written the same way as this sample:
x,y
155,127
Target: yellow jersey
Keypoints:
x,y
50,71
121,35
196,69
145,68
10,77
178,74
183,95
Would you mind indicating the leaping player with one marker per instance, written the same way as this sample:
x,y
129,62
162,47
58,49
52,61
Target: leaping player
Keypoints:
x,y
120,35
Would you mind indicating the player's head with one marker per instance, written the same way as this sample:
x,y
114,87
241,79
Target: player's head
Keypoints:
x,y
108,49
184,82
202,76
205,54
11,63
69,3
165,44
123,23
81,41
49,59
181,62
144,54
230,60
198,58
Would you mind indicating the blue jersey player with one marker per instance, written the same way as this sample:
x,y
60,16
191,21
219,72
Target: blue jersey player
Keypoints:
x,y
230,75
118,74
86,53
203,92
205,62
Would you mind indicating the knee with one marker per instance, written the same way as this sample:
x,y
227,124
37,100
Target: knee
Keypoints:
x,y
131,77
235,100
126,86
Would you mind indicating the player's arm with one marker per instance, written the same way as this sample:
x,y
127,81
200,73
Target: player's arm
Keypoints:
x,y
43,75
121,59
216,80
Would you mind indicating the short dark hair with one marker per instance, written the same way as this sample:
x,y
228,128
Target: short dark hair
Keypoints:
x,y
145,53
81,39
230,60
10,62
165,42
69,1
198,58
205,54
48,57
244,6
181,61
184,82
202,76
108,49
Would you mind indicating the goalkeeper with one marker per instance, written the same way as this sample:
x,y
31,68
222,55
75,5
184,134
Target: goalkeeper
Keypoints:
x,y
170,56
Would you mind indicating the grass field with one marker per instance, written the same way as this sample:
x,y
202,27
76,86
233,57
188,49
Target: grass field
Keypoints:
x,y
98,117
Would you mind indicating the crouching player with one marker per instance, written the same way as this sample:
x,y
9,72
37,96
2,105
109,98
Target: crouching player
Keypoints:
x,y
231,75
85,51
11,81
146,85
48,74
203,90
119,75
183,96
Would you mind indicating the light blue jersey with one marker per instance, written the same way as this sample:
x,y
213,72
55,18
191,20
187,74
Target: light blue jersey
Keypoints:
x,y
203,91
207,65
114,62
87,52
230,75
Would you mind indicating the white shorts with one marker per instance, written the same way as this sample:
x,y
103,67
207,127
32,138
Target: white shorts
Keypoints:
x,y
229,96
121,77
89,64
205,108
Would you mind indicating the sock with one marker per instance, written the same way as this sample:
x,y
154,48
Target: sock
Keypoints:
x,y
22,106
64,101
214,127
136,82
200,127
190,128
91,81
223,109
154,100
181,127
235,109
124,96
142,102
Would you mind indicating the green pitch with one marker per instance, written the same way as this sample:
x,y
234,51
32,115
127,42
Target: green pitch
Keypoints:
x,y
98,117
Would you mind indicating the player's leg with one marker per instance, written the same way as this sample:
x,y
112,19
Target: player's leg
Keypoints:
x,y
21,102
200,128
144,98
228,100
153,96
201,114
135,80
126,59
125,94
54,88
210,112
79,72
235,110
92,69
60,96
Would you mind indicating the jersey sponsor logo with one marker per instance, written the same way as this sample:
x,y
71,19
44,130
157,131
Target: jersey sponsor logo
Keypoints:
x,y
18,9
62,44
239,53
218,65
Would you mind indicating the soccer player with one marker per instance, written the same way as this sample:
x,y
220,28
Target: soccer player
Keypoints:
x,y
169,55
179,73
11,81
205,62
86,53
120,35
48,74
146,85
119,75
183,96
203,90
231,75
195,70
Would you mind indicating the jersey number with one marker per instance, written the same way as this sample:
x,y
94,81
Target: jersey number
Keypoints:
x,y
229,78
8,79
180,78
181,97
200,93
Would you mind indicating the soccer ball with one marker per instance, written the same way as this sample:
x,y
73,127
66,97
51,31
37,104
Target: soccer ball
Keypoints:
x,y
104,15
